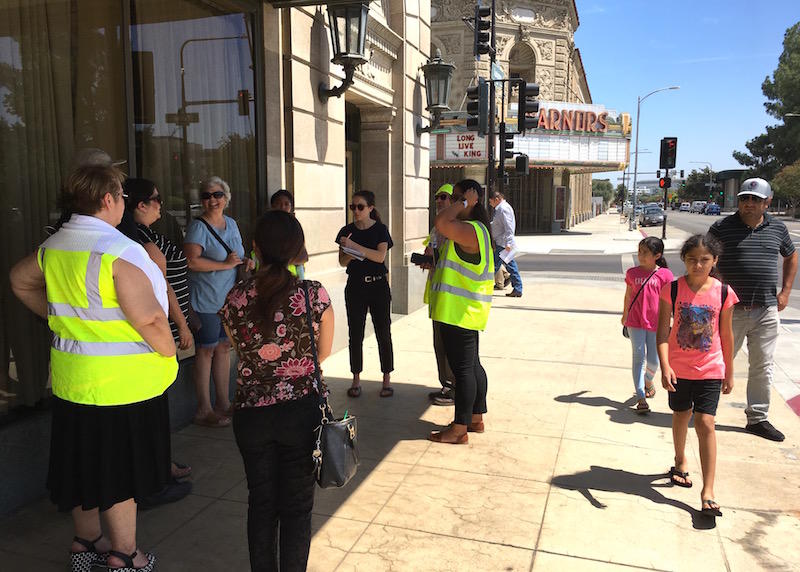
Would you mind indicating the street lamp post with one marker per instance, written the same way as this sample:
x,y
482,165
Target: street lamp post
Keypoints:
x,y
639,101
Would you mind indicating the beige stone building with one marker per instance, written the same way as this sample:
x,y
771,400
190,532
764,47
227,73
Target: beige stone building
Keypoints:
x,y
535,42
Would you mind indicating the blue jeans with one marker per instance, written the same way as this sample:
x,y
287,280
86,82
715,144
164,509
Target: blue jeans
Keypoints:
x,y
645,358
516,279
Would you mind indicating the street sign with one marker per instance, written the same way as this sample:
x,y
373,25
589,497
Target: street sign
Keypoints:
x,y
183,118
497,72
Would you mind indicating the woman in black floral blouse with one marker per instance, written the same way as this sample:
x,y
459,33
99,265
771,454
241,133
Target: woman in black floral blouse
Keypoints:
x,y
276,406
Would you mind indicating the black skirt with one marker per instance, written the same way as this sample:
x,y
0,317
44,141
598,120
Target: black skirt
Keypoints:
x,y
100,456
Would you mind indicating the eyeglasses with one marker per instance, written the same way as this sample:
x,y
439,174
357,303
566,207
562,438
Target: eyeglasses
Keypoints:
x,y
359,206
749,198
215,194
442,197
156,198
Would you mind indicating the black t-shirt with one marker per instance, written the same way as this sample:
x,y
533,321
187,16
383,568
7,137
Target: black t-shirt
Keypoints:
x,y
368,238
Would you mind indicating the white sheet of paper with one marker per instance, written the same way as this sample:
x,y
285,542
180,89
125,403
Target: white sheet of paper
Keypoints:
x,y
509,255
352,252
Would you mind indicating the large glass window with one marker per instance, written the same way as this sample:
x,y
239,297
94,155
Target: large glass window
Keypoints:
x,y
193,90
178,97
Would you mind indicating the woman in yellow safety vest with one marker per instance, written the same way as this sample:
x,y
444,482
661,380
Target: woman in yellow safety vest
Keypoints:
x,y
112,359
460,299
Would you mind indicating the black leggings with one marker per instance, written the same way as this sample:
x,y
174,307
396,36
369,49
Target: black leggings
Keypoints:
x,y
461,347
276,443
360,296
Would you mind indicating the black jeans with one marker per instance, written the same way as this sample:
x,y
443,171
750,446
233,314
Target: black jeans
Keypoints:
x,y
276,443
360,296
446,377
461,347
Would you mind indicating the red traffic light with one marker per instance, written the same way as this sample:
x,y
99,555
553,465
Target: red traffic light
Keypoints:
x,y
665,182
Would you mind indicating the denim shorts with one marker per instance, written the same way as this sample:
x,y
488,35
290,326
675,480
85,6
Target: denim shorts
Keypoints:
x,y
701,395
211,331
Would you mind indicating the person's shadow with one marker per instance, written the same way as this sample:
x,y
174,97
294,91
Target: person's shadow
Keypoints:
x,y
618,481
623,412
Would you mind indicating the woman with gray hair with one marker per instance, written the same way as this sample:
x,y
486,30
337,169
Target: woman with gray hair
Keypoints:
x,y
213,248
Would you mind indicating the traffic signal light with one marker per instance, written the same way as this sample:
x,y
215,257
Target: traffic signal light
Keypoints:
x,y
243,101
664,182
528,106
483,24
658,174
478,107
506,145
521,165
681,173
669,151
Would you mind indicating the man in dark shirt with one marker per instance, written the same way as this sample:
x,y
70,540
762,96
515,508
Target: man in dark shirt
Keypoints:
x,y
752,241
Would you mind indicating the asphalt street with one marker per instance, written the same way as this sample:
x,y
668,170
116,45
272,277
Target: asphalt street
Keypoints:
x,y
594,265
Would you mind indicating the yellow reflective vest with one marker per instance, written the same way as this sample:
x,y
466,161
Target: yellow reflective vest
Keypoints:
x,y
96,356
461,292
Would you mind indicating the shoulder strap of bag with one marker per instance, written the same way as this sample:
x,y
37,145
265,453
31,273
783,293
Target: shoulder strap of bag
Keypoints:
x,y
215,235
323,401
673,293
642,288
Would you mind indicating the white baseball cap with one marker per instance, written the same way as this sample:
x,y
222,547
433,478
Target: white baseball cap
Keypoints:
x,y
757,187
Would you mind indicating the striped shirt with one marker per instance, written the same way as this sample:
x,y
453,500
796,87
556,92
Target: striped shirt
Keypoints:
x,y
749,260
176,269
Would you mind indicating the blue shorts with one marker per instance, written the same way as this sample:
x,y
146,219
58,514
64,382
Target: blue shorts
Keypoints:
x,y
211,331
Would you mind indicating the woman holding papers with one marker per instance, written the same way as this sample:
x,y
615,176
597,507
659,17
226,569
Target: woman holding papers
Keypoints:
x,y
363,245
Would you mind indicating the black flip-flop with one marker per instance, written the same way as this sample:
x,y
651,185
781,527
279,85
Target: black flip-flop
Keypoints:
x,y
354,391
711,510
387,392
673,473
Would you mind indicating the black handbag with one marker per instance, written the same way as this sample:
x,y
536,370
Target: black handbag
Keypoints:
x,y
625,328
336,449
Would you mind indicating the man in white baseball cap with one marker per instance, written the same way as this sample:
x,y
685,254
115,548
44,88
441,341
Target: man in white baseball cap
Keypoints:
x,y
752,239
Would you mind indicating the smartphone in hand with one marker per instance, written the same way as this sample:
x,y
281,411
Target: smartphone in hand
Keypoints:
x,y
420,259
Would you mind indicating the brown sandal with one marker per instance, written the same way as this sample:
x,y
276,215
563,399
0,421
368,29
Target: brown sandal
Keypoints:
x,y
354,391
213,420
436,437
387,392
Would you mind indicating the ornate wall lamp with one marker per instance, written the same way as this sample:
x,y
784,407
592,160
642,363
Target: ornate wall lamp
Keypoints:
x,y
438,75
348,25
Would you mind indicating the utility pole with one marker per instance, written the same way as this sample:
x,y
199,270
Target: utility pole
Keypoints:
x,y
492,174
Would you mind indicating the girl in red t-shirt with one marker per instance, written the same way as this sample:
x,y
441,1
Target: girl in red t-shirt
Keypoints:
x,y
696,357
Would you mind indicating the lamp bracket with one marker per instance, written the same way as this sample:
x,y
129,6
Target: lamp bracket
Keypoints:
x,y
324,92
434,124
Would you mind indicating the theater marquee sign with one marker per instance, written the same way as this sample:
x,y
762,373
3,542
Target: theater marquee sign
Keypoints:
x,y
588,136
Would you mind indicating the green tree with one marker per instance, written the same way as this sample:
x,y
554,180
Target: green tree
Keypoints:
x,y
603,188
786,185
696,189
778,147
621,194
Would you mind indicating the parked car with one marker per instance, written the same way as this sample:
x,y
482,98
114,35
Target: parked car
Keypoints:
x,y
652,215
685,207
712,209
697,206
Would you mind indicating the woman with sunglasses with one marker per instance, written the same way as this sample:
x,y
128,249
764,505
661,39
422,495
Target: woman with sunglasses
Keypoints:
x,y
367,239
213,247
460,299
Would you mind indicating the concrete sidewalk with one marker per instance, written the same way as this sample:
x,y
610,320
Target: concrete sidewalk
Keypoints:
x,y
566,477
604,234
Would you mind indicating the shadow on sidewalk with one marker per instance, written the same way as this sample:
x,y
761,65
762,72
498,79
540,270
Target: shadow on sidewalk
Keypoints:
x,y
563,310
605,479
623,412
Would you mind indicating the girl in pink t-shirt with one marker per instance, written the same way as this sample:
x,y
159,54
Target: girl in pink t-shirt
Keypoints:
x,y
697,357
640,315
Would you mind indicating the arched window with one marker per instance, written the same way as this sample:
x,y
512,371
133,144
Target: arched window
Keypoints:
x,y
522,63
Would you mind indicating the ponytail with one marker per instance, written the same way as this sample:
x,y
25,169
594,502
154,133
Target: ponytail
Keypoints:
x,y
369,198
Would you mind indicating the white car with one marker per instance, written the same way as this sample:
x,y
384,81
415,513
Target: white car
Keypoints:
x,y
697,206
685,207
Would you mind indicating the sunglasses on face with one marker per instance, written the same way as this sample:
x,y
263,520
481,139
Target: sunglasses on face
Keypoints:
x,y
215,194
359,206
749,199
442,197
156,198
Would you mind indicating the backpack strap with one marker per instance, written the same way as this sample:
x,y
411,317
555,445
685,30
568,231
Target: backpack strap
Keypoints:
x,y
673,293
724,297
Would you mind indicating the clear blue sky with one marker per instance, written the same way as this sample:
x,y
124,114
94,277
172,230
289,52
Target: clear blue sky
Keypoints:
x,y
717,51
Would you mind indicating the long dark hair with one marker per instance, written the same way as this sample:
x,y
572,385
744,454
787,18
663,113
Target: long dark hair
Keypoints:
x,y
138,190
479,212
710,243
369,198
656,246
279,239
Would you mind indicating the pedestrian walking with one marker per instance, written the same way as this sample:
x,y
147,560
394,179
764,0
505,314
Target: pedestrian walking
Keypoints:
x,y
444,396
752,241
112,359
460,300
276,406
367,241
503,227
696,358
214,251
640,315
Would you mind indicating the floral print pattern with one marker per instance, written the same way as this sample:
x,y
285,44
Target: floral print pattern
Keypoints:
x,y
275,364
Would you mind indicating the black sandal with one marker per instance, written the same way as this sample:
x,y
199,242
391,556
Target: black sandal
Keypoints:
x,y
387,392
127,559
354,391
674,473
711,510
83,561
